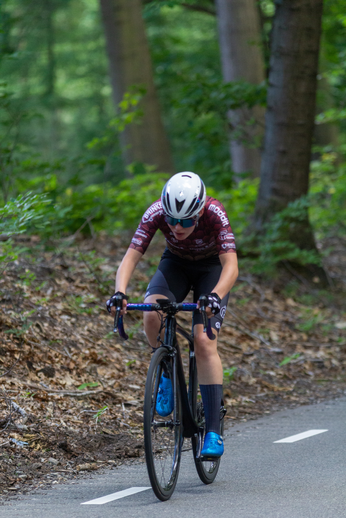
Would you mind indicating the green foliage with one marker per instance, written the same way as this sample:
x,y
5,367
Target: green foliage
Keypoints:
x,y
239,203
91,384
100,413
289,359
58,135
9,252
206,101
58,69
328,195
16,217
107,207
184,45
155,5
210,95
20,213
309,324
99,207
333,51
277,244
228,374
128,113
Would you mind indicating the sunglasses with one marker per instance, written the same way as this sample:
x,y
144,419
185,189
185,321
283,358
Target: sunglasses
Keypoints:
x,y
185,223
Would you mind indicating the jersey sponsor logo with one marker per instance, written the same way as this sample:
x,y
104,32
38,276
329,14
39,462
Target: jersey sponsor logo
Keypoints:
x,y
153,211
227,245
141,232
223,237
223,311
219,212
136,241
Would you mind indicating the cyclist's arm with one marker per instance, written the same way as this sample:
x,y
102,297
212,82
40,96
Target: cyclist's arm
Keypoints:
x,y
228,275
126,269
124,274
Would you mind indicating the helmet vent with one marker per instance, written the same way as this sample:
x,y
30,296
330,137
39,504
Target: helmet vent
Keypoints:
x,y
192,208
179,204
168,202
201,194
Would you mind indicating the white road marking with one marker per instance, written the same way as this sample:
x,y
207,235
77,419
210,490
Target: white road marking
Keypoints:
x,y
300,436
116,496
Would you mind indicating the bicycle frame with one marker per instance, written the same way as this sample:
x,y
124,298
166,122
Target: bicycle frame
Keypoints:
x,y
190,426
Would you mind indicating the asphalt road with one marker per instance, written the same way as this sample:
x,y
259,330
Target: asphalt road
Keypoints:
x,y
258,477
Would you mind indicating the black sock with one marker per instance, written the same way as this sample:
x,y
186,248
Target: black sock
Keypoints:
x,y
212,397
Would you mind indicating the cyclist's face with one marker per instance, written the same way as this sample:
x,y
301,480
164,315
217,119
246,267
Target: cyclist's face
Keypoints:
x,y
180,232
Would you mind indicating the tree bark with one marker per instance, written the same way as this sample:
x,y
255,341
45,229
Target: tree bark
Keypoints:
x,y
130,64
242,59
290,114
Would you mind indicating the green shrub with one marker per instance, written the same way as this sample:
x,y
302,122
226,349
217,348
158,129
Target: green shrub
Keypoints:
x,y
328,196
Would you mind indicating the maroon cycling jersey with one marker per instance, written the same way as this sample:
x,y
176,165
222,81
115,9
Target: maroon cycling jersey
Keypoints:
x,y
212,234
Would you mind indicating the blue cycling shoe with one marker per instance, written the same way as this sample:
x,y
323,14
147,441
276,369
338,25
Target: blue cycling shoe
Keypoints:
x,y
213,445
165,399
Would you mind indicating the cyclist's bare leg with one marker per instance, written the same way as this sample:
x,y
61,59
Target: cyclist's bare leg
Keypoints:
x,y
209,365
210,377
152,321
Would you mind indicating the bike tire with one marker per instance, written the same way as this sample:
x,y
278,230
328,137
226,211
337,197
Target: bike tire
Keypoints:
x,y
207,470
163,436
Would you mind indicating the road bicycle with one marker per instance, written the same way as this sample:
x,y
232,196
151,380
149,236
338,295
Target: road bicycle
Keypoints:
x,y
164,436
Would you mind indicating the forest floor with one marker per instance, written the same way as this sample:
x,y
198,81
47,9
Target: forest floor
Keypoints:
x,y
71,391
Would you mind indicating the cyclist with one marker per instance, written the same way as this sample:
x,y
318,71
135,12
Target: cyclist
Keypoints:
x,y
200,254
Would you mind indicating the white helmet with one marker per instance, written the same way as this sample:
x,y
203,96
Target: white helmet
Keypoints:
x,y
183,196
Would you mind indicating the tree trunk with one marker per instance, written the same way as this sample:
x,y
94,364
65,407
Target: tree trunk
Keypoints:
x,y
242,59
291,106
130,64
290,114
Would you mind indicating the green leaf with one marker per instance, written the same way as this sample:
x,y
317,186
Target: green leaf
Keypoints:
x,y
88,385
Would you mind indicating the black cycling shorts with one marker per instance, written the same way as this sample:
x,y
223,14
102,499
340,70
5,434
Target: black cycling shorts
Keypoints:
x,y
175,277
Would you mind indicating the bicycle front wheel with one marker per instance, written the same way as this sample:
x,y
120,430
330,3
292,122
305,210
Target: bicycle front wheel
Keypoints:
x,y
163,435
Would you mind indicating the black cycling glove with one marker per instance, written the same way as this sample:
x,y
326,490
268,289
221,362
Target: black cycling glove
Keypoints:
x,y
214,302
113,301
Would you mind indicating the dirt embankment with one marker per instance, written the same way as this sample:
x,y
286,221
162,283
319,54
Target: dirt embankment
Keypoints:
x,y
71,392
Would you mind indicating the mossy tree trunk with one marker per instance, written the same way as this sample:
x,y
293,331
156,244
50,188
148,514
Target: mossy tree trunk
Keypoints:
x,y
130,64
290,115
242,59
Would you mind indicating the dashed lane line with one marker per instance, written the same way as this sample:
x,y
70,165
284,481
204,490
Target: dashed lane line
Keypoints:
x,y
116,496
300,436
133,490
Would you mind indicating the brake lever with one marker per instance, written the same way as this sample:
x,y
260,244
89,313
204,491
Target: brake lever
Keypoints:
x,y
117,317
203,300
121,329
116,320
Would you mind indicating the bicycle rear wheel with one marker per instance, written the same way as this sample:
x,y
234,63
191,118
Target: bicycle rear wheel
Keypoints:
x,y
206,469
163,436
